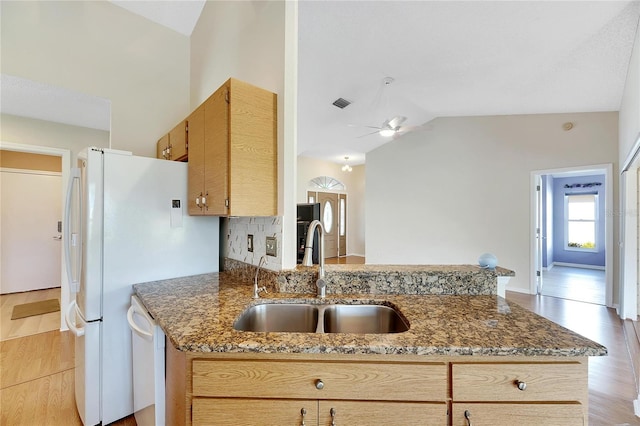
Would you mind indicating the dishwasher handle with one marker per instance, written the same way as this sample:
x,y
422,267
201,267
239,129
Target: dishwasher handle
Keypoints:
x,y
134,327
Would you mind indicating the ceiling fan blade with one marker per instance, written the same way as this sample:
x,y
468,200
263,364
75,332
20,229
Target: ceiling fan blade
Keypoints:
x,y
369,134
366,127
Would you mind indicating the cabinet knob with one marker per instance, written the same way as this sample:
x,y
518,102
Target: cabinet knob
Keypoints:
x,y
521,385
319,384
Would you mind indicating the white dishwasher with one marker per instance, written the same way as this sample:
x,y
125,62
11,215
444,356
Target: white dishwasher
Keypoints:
x,y
148,366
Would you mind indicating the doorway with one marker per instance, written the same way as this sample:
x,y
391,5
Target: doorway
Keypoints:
x,y
31,222
65,156
572,234
333,215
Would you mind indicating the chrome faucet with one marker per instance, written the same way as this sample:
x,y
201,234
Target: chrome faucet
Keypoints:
x,y
256,289
307,260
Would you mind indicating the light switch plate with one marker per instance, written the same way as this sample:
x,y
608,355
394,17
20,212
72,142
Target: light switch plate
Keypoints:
x,y
272,246
250,243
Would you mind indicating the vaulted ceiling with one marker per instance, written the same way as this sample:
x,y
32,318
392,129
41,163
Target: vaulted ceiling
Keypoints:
x,y
446,58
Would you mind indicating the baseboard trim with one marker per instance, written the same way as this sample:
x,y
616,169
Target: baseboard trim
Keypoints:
x,y
519,290
579,265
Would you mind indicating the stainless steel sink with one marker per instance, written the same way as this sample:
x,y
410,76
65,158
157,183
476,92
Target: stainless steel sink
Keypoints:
x,y
363,319
333,318
271,317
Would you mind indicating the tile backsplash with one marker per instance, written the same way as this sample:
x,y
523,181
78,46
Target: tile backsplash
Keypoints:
x,y
235,231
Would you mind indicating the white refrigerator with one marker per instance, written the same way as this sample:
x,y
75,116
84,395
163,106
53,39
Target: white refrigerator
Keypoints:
x,y
126,223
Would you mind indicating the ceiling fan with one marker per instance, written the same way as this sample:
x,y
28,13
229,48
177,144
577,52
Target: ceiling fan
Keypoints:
x,y
392,128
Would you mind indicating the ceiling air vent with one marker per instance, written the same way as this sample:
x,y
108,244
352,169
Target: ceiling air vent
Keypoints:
x,y
341,103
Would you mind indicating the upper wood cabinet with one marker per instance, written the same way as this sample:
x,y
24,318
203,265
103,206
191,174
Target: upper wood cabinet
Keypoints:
x,y
178,140
174,145
162,147
233,153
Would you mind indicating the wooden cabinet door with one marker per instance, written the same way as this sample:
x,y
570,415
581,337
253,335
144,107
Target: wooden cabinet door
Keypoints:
x,y
216,152
253,150
364,413
196,165
161,147
178,141
496,414
234,412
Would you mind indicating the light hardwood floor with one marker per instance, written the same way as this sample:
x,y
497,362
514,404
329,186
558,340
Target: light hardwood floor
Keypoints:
x,y
581,284
10,329
344,260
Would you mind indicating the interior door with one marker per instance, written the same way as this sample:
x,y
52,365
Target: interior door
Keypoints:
x,y
31,243
329,217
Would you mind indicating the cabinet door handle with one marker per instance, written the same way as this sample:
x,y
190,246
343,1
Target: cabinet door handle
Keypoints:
x,y
303,412
333,416
467,416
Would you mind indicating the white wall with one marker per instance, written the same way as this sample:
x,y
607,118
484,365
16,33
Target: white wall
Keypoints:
x,y
100,49
29,131
448,195
246,40
629,124
309,168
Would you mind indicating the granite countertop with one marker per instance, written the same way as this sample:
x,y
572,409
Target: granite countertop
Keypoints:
x,y
197,315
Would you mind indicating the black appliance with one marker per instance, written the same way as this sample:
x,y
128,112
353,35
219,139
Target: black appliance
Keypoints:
x,y
307,213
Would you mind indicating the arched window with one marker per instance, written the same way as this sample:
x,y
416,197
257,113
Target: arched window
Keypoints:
x,y
327,183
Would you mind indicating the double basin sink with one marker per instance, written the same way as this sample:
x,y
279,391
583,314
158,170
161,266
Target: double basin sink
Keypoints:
x,y
330,318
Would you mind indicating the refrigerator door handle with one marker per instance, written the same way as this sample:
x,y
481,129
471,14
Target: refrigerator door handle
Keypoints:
x,y
78,331
134,327
69,236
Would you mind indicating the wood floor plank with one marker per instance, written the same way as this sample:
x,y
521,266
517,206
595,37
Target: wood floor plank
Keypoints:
x,y
35,356
45,401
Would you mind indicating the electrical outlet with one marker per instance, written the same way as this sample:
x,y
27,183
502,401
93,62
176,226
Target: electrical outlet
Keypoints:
x,y
272,246
250,243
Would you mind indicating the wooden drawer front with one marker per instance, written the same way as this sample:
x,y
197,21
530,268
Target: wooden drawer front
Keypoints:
x,y
484,414
360,381
235,412
498,382
355,413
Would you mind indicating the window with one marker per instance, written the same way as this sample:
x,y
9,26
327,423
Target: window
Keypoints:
x,y
581,213
328,217
343,217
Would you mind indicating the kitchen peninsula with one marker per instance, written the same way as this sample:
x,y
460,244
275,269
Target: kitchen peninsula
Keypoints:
x,y
470,357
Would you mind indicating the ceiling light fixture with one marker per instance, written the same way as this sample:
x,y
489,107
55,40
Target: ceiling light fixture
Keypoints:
x,y
346,167
387,132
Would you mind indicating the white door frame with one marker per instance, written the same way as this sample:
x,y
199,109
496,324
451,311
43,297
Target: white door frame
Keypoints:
x,y
607,170
629,238
65,155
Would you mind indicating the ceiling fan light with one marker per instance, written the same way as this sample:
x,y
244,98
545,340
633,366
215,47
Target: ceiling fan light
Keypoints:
x,y
387,132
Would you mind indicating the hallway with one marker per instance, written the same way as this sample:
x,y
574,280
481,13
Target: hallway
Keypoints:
x,y
580,284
